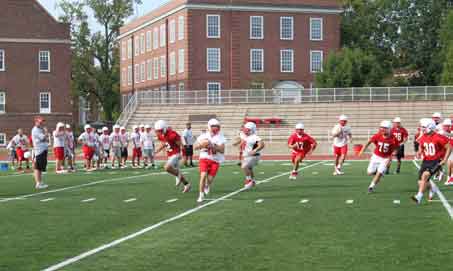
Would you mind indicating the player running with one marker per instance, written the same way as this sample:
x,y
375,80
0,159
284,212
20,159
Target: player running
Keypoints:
x,y
434,150
171,142
301,145
342,135
401,134
59,138
252,147
137,147
147,142
385,144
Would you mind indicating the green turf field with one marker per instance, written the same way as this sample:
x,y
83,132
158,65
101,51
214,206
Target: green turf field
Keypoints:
x,y
319,222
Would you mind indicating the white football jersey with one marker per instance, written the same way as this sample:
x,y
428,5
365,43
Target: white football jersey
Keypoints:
x,y
105,141
250,143
115,139
147,140
88,139
20,141
217,139
69,140
124,139
343,138
135,137
58,139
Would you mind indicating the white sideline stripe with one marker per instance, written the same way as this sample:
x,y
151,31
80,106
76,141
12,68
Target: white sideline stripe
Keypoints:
x,y
216,199
259,200
88,200
157,225
171,200
262,172
130,200
236,172
350,201
396,201
80,185
46,200
315,173
439,193
304,201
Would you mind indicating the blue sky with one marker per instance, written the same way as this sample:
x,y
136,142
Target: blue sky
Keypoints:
x,y
148,5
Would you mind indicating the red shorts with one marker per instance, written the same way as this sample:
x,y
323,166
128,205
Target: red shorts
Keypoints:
x,y
59,153
20,154
340,150
294,155
136,152
88,152
209,166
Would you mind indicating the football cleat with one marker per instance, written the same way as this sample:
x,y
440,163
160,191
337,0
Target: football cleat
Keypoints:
x,y
449,181
200,198
41,186
370,190
249,184
178,181
186,188
414,198
206,189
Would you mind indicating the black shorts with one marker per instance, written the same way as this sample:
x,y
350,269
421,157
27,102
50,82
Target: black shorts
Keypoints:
x,y
416,144
431,166
124,153
107,153
41,162
400,152
188,150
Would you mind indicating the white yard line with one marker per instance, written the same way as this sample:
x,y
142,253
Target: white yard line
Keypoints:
x,y
396,201
88,200
130,200
171,200
304,201
46,200
350,201
439,193
259,201
157,225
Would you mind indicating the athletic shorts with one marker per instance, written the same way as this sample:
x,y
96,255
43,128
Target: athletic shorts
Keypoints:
x,y
416,145
20,154
294,155
209,166
432,166
340,150
106,153
124,153
378,164
88,152
59,153
400,152
116,152
12,154
40,162
69,153
188,150
148,153
250,161
137,152
173,161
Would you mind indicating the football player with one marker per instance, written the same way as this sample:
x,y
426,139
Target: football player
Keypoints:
x,y
385,144
116,145
171,142
137,147
342,135
59,138
301,144
401,134
69,151
21,142
252,147
88,141
124,137
148,147
447,132
106,144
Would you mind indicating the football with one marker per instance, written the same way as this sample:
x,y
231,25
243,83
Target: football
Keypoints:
x,y
336,129
27,155
204,143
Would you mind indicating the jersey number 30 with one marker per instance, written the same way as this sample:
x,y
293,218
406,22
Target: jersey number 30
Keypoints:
x,y
429,148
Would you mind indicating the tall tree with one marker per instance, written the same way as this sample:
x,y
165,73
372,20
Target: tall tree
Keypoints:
x,y
447,73
95,71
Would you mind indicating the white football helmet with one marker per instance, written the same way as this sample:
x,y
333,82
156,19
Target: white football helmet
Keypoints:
x,y
343,117
68,126
386,124
105,129
147,126
116,126
213,122
86,127
397,120
250,126
60,125
300,125
437,115
161,125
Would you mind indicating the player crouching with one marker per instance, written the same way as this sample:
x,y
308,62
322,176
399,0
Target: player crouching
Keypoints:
x,y
171,141
301,144
252,145
385,144
435,150
212,147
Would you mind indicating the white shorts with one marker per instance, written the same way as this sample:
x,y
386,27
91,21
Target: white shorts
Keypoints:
x,y
174,160
250,161
450,158
148,153
377,164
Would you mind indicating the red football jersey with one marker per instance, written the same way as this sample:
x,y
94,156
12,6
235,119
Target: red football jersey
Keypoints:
x,y
400,134
170,139
384,145
304,142
433,146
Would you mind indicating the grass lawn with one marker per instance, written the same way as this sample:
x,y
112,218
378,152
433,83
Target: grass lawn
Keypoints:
x,y
319,222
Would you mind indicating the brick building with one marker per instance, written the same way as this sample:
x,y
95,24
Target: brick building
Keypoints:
x,y
228,44
35,67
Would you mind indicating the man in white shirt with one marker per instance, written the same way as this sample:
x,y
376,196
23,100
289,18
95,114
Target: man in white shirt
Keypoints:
x,y
59,138
148,147
88,140
251,150
11,147
21,142
105,144
40,140
187,141
136,147
115,145
124,137
342,135
70,148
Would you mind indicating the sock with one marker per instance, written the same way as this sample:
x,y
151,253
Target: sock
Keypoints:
x,y
419,196
372,185
201,194
248,178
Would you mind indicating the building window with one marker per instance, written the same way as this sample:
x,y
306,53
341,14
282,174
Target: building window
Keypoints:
x,y
123,50
172,34
213,59
143,72
2,139
316,29
137,73
142,43
316,61
213,26
137,46
172,59
156,68
44,61
181,62
181,86
2,102
149,71
163,38
148,41
286,28
256,27
256,60
287,60
181,28
257,85
155,38
163,66
2,60
44,102
129,48
129,75
213,92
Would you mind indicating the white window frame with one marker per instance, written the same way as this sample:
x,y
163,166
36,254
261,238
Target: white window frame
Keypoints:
x,y
48,60
137,73
148,41
142,43
149,70
143,72
252,69
129,48
311,29
281,28
45,110
3,137
155,68
252,37
163,35
129,75
3,102
311,60
172,31
155,38
123,50
219,57
3,67
281,60
181,27
172,63
181,60
218,26
163,66
214,83
137,45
